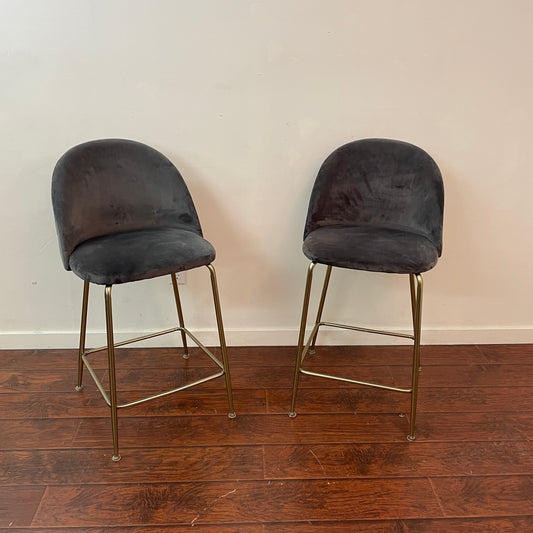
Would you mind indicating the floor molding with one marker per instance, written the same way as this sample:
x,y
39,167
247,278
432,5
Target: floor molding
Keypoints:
x,y
277,337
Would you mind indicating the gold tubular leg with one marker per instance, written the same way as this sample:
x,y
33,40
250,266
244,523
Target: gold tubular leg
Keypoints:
x,y
412,285
180,315
417,323
413,297
83,331
222,337
301,338
321,306
112,376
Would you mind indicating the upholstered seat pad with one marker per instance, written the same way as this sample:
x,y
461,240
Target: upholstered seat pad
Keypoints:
x,y
371,248
140,254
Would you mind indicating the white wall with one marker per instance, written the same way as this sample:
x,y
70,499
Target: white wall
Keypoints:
x,y
247,98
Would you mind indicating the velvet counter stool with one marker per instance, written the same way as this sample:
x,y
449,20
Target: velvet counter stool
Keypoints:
x,y
376,205
123,213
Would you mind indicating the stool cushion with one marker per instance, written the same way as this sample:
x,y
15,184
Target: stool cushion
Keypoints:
x,y
139,254
371,248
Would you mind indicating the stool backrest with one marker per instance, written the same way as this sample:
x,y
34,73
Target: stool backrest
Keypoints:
x,y
379,182
112,185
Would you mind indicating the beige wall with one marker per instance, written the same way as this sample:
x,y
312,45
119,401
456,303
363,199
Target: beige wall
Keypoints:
x,y
247,98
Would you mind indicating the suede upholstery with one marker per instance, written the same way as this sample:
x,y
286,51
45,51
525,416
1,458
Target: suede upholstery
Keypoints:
x,y
376,205
123,213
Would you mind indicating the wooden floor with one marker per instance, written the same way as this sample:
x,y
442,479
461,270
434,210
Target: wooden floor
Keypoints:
x,y
342,465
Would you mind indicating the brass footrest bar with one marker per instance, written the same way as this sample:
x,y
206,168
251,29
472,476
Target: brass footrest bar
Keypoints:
x,y
131,341
368,330
103,392
312,336
347,380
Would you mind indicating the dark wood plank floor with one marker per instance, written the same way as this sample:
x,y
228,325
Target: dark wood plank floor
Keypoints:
x,y
342,465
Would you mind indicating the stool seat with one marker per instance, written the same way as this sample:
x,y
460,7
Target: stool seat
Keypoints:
x,y
371,248
141,254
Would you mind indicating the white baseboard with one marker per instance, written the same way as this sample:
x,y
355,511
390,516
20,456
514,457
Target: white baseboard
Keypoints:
x,y
274,337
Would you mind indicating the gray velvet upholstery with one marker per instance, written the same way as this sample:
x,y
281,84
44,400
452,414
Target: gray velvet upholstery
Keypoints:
x,y
123,213
376,205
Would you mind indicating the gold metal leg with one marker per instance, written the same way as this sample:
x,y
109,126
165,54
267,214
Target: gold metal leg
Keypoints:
x,y
112,376
221,336
301,338
416,299
180,315
321,306
412,284
413,297
83,331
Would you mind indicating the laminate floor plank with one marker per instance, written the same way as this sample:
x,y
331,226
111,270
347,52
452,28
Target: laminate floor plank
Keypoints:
x,y
485,495
18,505
464,427
38,359
333,461
176,528
29,434
491,375
351,399
335,428
89,404
243,430
451,525
355,399
472,525
192,503
138,465
40,380
268,429
508,354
